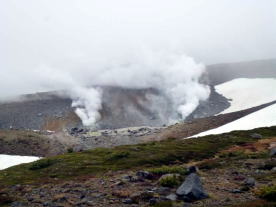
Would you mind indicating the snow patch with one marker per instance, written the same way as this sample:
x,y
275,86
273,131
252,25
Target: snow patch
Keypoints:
x,y
247,93
262,118
7,161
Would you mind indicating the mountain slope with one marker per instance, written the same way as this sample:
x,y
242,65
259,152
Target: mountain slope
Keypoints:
x,y
220,73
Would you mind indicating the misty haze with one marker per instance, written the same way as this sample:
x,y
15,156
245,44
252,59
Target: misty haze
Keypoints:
x,y
137,103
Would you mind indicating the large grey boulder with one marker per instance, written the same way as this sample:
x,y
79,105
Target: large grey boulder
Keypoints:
x,y
191,189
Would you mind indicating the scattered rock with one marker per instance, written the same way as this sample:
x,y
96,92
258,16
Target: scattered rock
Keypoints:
x,y
136,179
144,196
130,178
145,174
172,197
236,191
60,198
239,178
250,182
273,152
267,165
191,189
118,183
256,136
162,190
17,204
192,169
128,201
153,201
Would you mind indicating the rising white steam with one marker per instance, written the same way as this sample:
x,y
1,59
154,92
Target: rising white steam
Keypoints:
x,y
174,74
87,102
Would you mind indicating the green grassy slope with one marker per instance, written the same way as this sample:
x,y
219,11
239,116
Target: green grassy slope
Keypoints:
x,y
95,162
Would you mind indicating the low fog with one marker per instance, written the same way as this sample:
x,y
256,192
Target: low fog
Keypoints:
x,y
74,45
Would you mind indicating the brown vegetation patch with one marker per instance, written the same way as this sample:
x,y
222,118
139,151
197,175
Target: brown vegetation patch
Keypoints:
x,y
260,146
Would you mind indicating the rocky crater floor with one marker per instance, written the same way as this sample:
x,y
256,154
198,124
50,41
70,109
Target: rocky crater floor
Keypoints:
x,y
47,143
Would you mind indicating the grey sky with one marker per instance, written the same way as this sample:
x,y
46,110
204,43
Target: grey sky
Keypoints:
x,y
75,35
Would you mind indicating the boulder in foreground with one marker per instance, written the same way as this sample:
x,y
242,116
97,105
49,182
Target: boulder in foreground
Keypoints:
x,y
191,189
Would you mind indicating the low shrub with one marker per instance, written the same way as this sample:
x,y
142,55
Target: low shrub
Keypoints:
x,y
209,164
40,164
70,150
117,155
268,193
170,180
164,204
234,154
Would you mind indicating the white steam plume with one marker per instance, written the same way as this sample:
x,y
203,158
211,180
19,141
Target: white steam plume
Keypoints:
x,y
174,74
88,103
86,100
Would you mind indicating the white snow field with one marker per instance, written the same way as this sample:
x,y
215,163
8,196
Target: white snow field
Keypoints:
x,y
263,118
7,161
246,93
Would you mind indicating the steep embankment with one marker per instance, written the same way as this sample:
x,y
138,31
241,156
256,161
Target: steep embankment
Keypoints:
x,y
187,129
18,142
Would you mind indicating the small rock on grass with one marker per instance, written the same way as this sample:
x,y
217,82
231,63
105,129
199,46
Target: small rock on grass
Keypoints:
x,y
236,191
128,201
250,182
273,152
145,175
172,197
256,136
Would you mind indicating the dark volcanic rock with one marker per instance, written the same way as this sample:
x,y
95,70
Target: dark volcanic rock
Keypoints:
x,y
191,189
215,104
